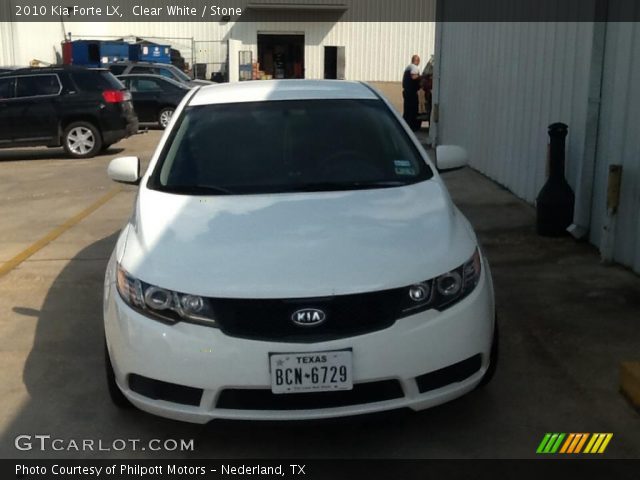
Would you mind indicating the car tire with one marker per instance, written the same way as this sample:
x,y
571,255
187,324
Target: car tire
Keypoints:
x,y
81,140
164,117
493,357
117,397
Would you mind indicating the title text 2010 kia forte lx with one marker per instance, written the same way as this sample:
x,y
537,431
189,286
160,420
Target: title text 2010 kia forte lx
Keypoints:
x,y
294,254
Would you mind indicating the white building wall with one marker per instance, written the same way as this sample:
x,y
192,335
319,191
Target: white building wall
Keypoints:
x,y
6,36
37,41
619,142
6,44
375,51
502,84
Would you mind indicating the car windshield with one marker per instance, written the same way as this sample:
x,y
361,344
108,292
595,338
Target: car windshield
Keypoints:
x,y
180,74
287,146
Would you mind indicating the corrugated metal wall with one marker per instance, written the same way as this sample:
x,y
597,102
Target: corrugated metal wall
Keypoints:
x,y
502,84
619,141
6,44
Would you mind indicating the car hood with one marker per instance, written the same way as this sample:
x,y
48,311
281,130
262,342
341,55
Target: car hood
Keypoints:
x,y
296,245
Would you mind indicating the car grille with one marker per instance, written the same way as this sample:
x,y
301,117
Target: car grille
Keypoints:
x,y
271,320
263,399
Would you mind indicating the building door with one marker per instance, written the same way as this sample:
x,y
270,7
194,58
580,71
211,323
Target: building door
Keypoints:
x,y
334,62
281,55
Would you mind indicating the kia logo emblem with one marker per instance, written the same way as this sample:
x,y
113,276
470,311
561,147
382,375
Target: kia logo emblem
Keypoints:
x,y
308,317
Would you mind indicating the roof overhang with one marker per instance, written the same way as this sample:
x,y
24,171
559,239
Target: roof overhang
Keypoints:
x,y
325,7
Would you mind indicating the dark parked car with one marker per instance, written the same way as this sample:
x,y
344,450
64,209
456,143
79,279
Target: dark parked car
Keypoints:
x,y
82,110
155,98
163,69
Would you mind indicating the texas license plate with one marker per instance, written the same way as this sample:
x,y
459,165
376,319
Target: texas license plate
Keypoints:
x,y
311,372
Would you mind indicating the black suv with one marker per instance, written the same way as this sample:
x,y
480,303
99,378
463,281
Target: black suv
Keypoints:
x,y
83,110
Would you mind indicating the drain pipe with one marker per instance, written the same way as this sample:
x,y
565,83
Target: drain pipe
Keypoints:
x,y
434,121
579,229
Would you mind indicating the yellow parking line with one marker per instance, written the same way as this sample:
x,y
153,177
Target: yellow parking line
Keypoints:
x,y
56,232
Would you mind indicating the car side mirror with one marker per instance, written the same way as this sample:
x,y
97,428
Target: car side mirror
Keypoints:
x,y
451,157
125,170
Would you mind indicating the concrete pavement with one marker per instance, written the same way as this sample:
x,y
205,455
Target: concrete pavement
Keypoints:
x,y
566,323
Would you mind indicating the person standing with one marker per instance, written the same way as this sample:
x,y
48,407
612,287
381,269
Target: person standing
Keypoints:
x,y
410,86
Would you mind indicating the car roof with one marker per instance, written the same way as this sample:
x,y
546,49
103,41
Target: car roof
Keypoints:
x,y
276,90
153,75
50,69
142,64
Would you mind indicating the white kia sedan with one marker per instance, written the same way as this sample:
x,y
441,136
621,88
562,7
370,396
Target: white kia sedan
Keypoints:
x,y
294,254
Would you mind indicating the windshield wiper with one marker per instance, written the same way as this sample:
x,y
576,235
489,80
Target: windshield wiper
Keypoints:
x,y
338,186
197,190
305,187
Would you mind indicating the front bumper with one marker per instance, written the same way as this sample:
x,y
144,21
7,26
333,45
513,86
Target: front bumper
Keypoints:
x,y
205,358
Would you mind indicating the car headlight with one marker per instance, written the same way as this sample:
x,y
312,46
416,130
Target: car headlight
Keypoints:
x,y
163,304
443,291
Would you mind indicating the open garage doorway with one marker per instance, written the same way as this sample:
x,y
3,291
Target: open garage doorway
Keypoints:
x,y
281,55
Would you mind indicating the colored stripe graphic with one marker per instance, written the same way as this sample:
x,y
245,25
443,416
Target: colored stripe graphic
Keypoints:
x,y
581,443
605,444
590,444
568,442
573,443
543,443
550,443
598,443
556,446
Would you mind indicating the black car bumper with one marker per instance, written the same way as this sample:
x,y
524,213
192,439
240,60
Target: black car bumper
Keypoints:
x,y
112,136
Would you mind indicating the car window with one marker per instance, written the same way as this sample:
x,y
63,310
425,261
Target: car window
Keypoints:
x,y
172,85
7,88
165,72
117,69
96,80
179,74
143,70
313,145
145,85
37,85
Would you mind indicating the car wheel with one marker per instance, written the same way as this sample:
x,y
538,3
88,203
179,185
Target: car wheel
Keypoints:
x,y
81,140
493,357
117,397
164,117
